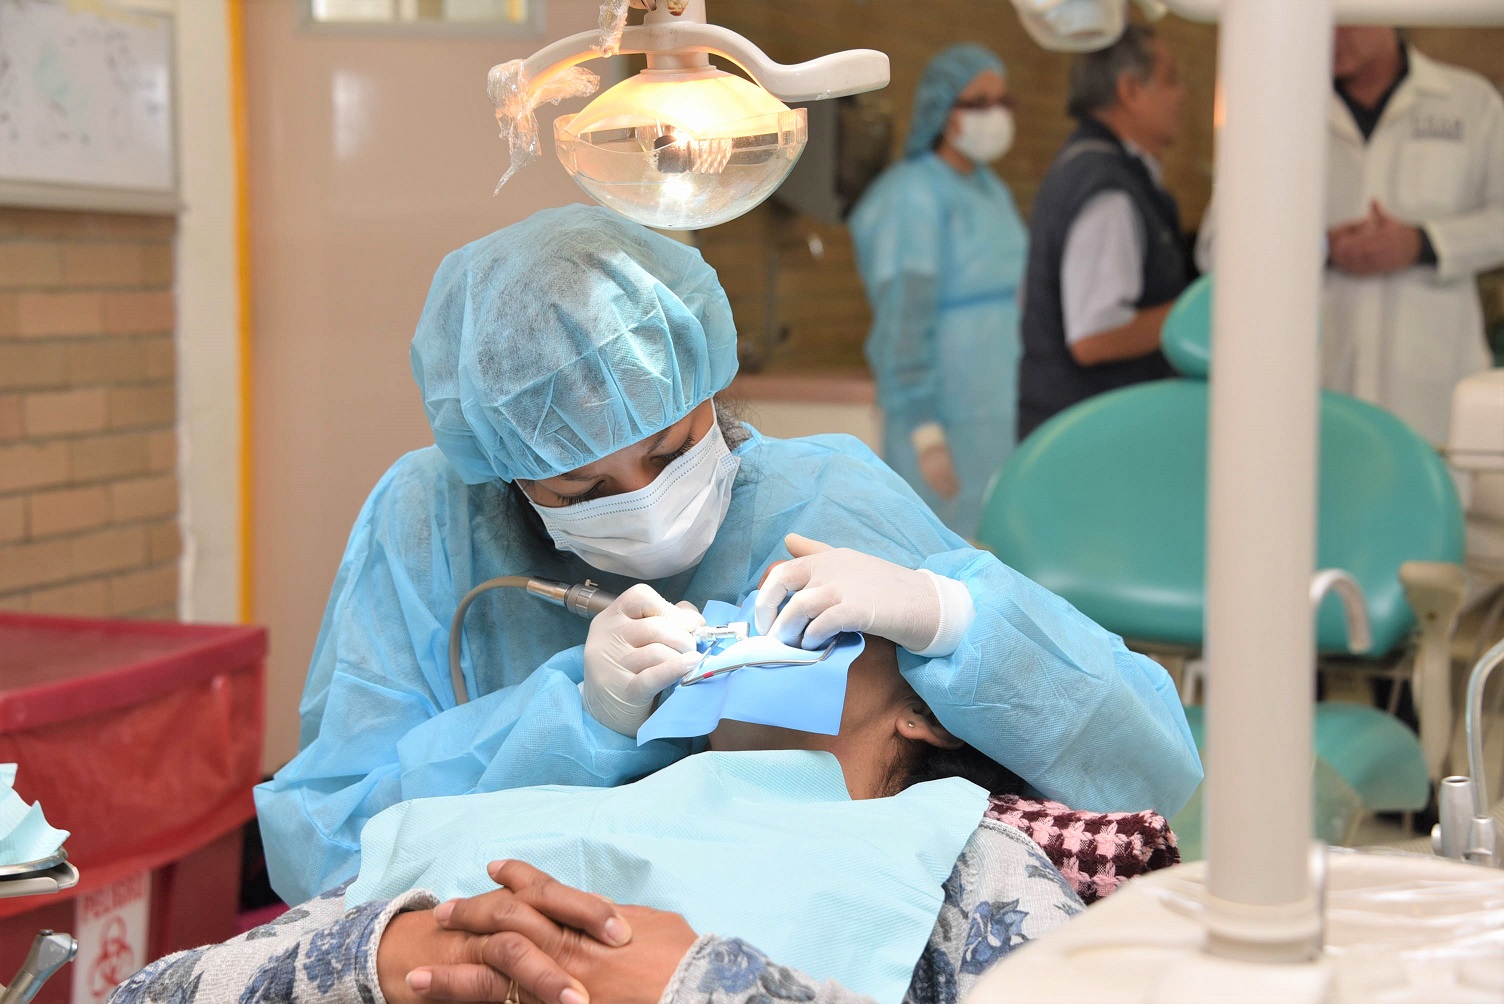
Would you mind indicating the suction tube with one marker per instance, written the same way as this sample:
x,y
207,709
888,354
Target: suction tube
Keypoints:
x,y
583,599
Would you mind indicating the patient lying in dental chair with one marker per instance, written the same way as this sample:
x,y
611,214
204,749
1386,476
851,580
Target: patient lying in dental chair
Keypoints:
x,y
755,877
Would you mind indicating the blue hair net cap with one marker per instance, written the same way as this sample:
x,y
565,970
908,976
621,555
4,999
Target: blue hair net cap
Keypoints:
x,y
559,340
943,81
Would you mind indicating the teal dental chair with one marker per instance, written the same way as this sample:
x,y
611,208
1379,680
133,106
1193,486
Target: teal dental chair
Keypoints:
x,y
1105,504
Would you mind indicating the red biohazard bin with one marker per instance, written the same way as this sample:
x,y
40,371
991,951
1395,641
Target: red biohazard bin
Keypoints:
x,y
143,740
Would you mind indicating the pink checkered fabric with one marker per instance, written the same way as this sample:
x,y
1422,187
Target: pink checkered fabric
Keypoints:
x,y
1095,851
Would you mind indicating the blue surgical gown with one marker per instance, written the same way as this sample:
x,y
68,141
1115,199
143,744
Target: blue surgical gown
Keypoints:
x,y
1035,684
941,254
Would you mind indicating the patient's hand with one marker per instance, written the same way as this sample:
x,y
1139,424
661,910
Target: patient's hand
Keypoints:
x,y
537,925
484,958
417,940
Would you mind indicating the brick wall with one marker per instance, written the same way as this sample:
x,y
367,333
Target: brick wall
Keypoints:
x,y
821,309
88,449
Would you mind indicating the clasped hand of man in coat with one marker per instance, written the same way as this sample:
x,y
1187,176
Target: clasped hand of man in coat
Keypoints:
x,y
1375,245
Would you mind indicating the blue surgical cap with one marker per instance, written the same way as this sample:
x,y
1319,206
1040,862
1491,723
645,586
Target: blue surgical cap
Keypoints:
x,y
943,81
564,338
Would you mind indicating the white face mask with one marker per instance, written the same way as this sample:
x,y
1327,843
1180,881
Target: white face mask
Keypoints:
x,y
655,531
985,135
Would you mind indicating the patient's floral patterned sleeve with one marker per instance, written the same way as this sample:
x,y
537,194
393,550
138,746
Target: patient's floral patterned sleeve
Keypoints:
x,y
1002,893
319,953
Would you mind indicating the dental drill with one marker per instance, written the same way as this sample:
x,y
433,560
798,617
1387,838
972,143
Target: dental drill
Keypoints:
x,y
49,953
584,599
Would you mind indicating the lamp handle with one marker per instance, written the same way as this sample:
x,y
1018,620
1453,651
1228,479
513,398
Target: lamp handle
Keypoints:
x,y
831,76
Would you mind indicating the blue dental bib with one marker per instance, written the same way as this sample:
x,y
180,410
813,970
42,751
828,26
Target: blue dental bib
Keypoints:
x,y
765,846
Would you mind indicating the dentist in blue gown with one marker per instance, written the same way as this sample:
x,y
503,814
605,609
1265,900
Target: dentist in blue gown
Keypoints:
x,y
568,366
941,248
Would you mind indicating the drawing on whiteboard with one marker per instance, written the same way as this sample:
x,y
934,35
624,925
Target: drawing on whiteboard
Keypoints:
x,y
85,96
62,103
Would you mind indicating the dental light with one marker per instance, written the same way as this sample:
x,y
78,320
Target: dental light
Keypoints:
x,y
1080,25
681,145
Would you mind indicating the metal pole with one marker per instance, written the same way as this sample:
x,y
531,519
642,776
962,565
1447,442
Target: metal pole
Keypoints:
x,y
1275,63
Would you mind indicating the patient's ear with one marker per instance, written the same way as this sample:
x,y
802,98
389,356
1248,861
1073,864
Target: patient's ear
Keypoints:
x,y
917,722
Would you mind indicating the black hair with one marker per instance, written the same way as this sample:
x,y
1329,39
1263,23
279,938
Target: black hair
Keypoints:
x,y
924,762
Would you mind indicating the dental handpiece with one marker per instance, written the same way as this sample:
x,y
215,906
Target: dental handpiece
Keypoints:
x,y
584,599
49,953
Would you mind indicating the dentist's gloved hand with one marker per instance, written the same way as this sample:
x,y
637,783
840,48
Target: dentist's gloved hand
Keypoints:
x,y
838,589
637,647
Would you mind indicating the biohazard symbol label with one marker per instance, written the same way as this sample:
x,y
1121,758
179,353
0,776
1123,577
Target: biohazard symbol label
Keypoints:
x,y
111,925
115,961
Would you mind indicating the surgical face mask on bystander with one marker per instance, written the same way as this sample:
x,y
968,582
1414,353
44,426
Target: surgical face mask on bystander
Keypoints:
x,y
984,135
655,531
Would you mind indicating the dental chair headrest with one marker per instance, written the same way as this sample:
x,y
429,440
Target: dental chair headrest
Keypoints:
x,y
1187,334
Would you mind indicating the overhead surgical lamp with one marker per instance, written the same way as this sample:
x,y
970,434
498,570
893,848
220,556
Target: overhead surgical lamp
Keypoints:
x,y
1080,25
681,145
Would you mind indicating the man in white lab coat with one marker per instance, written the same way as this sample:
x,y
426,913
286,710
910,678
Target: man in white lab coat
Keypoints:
x,y
1414,210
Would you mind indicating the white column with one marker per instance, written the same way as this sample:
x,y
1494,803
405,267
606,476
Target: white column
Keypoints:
x,y
208,329
1275,60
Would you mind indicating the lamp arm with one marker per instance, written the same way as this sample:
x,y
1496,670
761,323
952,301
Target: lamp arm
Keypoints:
x,y
839,73
1408,12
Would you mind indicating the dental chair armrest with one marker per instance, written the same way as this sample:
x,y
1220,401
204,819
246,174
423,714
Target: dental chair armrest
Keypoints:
x,y
1435,590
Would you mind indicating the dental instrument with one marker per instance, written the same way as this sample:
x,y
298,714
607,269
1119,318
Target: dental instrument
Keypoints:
x,y
699,675
713,638
584,599
49,953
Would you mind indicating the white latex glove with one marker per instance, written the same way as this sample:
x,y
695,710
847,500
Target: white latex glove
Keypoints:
x,y
636,648
838,589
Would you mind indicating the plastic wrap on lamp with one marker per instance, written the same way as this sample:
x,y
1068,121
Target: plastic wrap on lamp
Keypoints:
x,y
613,23
516,99
681,150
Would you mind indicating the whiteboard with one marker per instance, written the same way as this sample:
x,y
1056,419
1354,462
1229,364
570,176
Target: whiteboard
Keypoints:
x,y
86,107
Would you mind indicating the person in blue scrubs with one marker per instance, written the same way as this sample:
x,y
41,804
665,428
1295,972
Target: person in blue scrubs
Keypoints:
x,y
941,248
568,366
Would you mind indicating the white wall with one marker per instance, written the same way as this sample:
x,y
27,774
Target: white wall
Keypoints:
x,y
371,155
788,419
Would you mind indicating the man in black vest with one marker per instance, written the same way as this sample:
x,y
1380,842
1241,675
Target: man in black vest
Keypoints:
x,y
1106,258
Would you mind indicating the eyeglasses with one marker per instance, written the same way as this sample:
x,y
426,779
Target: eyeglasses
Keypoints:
x,y
983,103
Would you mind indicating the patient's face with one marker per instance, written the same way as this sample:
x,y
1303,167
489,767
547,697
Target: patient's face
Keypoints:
x,y
875,692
